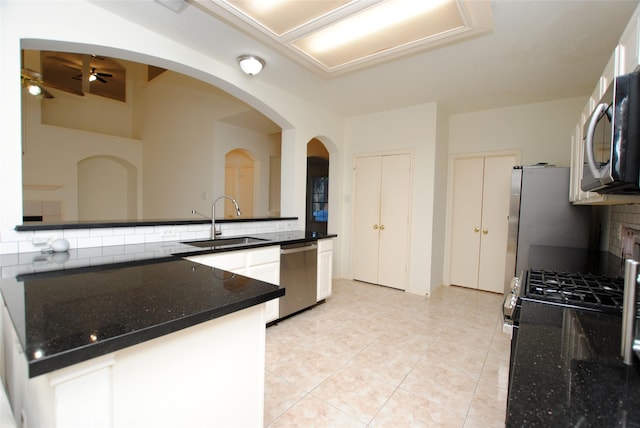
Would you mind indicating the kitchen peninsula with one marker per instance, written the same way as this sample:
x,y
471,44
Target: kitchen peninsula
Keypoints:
x,y
154,342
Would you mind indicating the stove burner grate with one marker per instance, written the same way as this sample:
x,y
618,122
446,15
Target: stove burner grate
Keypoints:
x,y
576,289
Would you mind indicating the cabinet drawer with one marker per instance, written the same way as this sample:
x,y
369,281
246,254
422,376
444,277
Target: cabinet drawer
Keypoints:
x,y
263,255
325,245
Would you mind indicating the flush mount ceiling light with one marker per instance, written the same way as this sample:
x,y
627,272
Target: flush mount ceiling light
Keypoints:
x,y
251,64
335,36
34,89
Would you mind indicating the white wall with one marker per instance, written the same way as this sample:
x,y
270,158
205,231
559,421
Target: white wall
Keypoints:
x,y
413,129
541,130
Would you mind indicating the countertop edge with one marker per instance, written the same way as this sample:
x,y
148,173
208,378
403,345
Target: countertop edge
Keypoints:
x,y
85,353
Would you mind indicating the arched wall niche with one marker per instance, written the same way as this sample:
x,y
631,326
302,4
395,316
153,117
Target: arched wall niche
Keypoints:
x,y
107,188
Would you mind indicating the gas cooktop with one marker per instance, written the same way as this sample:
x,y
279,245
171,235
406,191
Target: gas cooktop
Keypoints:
x,y
575,289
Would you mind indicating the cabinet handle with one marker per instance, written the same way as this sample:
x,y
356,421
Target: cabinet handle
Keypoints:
x,y
375,226
476,229
382,227
485,231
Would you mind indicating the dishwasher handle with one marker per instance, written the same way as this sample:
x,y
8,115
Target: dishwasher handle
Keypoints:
x,y
311,247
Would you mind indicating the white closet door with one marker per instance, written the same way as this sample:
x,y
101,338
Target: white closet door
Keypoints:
x,y
394,220
495,211
366,219
466,221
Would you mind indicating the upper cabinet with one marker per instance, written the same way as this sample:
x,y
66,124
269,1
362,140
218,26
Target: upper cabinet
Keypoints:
x,y
624,59
629,45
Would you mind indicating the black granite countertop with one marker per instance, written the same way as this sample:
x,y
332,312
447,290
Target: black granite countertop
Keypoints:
x,y
69,316
567,371
66,316
39,225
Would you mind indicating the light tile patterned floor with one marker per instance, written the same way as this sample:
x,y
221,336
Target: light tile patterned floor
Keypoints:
x,y
377,357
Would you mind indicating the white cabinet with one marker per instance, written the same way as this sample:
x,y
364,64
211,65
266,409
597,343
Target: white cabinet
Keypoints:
x,y
260,263
325,268
381,219
479,221
629,45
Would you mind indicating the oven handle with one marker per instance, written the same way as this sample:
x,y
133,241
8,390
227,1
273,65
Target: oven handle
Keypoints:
x,y
600,109
629,309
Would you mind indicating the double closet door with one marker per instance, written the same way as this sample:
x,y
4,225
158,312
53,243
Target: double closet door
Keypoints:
x,y
381,219
480,210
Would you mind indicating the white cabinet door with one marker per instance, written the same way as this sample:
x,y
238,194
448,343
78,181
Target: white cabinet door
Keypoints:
x,y
262,264
325,268
495,222
366,218
381,219
630,46
480,208
394,220
466,221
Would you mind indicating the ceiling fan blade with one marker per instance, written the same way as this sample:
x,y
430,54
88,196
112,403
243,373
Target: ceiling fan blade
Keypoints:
x,y
46,94
31,74
68,67
104,74
100,79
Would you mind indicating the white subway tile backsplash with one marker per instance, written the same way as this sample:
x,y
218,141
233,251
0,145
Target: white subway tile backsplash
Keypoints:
x,y
108,241
23,242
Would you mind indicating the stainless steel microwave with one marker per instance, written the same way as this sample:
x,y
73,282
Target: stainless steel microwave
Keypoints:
x,y
612,139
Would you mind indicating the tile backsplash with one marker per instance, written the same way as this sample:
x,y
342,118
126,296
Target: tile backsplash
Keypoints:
x,y
34,241
622,217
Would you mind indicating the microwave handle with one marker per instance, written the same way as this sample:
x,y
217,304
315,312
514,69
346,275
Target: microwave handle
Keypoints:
x,y
629,310
600,108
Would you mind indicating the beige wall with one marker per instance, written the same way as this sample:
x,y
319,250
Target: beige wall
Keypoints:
x,y
541,130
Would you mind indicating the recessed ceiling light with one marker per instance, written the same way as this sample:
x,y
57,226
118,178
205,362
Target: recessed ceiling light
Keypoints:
x,y
377,19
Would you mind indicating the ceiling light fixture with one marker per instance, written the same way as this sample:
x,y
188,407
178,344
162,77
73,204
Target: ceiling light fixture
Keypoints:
x,y
34,89
251,64
373,20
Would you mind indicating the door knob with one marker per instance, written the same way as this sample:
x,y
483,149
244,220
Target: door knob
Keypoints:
x,y
485,231
375,226
382,227
476,229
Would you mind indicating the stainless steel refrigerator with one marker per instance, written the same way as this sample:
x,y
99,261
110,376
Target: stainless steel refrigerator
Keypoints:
x,y
540,213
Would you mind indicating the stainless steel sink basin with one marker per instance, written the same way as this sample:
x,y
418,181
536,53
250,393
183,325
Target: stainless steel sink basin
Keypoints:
x,y
224,242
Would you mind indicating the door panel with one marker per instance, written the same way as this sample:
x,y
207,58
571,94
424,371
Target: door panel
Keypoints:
x,y
367,209
495,211
394,220
466,221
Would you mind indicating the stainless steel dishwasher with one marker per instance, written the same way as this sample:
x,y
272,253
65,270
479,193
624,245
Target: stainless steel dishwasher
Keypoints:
x,y
298,276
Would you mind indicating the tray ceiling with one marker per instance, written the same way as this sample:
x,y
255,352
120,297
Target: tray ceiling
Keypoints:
x,y
333,37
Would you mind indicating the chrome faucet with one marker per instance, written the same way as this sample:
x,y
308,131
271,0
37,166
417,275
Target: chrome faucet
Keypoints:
x,y
213,213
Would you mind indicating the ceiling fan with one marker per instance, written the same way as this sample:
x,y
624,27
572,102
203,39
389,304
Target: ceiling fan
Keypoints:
x,y
94,75
32,81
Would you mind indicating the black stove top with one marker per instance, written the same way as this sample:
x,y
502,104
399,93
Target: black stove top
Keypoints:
x,y
575,289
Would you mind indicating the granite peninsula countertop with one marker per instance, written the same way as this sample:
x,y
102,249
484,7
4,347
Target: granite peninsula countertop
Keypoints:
x,y
67,314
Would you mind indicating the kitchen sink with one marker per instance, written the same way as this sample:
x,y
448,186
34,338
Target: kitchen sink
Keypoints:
x,y
225,242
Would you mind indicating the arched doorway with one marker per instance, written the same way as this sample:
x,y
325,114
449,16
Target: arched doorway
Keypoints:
x,y
317,212
239,182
